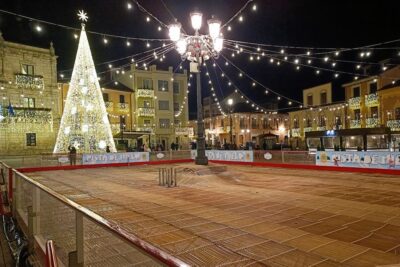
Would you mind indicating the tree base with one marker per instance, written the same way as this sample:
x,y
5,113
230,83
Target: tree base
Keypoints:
x,y
201,161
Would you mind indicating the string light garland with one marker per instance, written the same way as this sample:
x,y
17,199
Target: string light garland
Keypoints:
x,y
214,95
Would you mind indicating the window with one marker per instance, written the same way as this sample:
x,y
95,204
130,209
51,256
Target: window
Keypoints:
x,y
241,122
164,123
356,91
31,139
265,123
338,121
397,113
29,102
27,69
206,113
222,122
254,123
373,87
147,84
146,103
146,123
309,100
176,106
163,105
105,97
323,98
122,122
176,87
374,112
357,114
308,122
295,123
322,121
121,99
163,86
177,122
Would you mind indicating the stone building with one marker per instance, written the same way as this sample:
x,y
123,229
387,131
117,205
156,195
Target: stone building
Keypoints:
x,y
29,110
159,106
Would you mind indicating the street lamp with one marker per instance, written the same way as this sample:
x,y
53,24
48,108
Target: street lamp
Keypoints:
x,y
198,48
230,103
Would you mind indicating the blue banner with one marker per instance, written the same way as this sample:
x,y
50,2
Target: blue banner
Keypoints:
x,y
115,158
359,159
227,155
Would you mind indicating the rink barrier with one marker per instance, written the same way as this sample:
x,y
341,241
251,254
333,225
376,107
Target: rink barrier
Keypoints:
x,y
310,167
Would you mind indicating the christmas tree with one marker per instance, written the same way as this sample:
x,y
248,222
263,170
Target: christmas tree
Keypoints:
x,y
84,123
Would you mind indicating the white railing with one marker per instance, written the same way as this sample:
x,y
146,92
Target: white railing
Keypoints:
x,y
355,102
146,112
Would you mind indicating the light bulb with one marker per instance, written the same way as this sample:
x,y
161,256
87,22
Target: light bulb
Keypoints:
x,y
175,31
196,19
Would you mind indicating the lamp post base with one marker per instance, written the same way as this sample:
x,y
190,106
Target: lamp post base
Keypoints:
x,y
201,161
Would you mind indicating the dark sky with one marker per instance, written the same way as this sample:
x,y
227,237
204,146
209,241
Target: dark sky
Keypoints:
x,y
311,23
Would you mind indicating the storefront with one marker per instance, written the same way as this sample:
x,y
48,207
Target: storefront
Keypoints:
x,y
353,139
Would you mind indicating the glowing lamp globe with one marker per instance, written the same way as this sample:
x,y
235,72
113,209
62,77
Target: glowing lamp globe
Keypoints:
x,y
196,18
181,46
175,31
218,44
214,26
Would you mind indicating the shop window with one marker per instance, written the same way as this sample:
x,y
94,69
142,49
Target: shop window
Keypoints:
x,y
377,141
353,142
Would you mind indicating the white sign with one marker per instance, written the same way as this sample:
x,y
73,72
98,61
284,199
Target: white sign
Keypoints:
x,y
115,158
267,156
160,155
63,159
227,155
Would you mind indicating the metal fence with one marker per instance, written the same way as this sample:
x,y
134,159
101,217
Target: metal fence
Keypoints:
x,y
81,237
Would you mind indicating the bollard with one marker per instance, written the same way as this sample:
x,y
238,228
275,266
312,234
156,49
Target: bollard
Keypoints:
x,y
176,178
169,177
159,176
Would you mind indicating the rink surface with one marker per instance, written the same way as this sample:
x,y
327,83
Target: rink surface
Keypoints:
x,y
238,216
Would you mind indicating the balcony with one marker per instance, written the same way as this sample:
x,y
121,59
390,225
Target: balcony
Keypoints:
x,y
147,93
308,129
372,122
109,106
355,102
146,112
371,100
184,131
29,81
394,125
321,128
28,115
144,129
355,124
123,107
295,132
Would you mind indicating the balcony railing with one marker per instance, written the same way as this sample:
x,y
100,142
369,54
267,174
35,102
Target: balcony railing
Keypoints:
x,y
149,93
144,129
184,131
371,100
355,102
123,107
372,122
321,128
295,132
28,115
355,124
109,106
146,112
308,129
394,125
29,81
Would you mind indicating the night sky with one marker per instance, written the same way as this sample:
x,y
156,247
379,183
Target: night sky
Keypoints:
x,y
309,23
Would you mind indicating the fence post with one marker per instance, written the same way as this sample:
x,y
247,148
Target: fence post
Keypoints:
x,y
10,185
76,258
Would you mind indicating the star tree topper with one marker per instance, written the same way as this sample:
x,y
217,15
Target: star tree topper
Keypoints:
x,y
82,15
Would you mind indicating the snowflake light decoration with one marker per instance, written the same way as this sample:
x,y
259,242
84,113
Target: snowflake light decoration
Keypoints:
x,y
82,15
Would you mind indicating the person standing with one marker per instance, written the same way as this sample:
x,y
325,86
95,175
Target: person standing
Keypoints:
x,y
72,155
108,149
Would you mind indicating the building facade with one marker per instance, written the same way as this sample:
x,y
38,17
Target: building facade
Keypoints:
x,y
159,105
29,110
365,120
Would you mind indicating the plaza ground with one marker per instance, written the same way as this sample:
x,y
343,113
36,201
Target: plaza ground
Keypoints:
x,y
235,215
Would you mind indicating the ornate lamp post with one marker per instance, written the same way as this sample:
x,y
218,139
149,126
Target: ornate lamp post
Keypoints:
x,y
230,103
198,48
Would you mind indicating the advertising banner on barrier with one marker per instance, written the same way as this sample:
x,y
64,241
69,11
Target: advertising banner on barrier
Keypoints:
x,y
227,155
115,158
359,159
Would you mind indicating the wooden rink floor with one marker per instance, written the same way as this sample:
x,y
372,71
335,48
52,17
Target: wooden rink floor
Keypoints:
x,y
244,216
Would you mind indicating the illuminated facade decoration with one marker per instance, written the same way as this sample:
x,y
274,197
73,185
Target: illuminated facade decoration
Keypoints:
x,y
29,110
84,123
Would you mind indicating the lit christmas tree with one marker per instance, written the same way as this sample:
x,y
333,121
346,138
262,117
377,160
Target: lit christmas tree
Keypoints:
x,y
84,123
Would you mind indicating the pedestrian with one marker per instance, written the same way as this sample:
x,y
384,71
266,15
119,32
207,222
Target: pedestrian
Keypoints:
x,y
72,155
173,146
108,149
